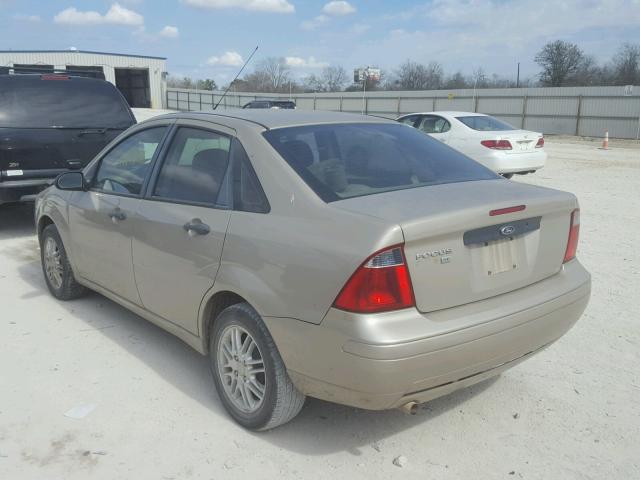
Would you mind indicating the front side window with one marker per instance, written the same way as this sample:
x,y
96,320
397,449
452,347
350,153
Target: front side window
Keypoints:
x,y
125,167
484,123
352,160
194,169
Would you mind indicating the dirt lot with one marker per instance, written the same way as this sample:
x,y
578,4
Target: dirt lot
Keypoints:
x,y
571,412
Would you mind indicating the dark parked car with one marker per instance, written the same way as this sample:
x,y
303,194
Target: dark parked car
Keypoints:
x,y
276,104
53,123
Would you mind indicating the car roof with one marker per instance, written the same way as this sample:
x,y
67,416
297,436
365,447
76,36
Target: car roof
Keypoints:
x,y
34,77
271,119
451,113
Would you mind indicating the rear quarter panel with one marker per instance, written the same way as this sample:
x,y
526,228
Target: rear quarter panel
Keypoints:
x,y
293,261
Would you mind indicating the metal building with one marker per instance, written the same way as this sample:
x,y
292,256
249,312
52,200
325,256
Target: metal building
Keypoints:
x,y
141,79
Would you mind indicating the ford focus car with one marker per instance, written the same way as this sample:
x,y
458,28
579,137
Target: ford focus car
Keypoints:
x,y
497,145
343,257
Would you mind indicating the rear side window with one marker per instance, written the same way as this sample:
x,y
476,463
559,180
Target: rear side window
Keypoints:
x,y
410,120
125,167
352,160
195,168
433,124
59,101
248,195
485,123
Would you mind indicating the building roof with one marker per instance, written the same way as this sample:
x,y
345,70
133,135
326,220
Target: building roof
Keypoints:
x,y
83,51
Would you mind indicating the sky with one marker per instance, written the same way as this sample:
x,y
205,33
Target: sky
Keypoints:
x,y
212,38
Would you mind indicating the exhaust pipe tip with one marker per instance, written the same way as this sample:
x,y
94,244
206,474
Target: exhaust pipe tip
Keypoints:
x,y
410,408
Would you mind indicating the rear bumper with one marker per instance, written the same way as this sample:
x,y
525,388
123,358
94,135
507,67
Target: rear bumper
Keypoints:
x,y
23,189
503,162
383,361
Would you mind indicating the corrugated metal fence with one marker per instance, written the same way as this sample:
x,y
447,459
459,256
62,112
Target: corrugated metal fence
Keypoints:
x,y
584,111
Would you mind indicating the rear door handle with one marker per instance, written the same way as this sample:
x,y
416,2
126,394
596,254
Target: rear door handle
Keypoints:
x,y
196,227
117,215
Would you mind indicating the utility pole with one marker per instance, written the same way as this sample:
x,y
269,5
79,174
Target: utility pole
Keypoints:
x,y
518,77
364,89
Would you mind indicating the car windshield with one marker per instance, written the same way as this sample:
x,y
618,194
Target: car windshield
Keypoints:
x,y
72,103
485,123
341,161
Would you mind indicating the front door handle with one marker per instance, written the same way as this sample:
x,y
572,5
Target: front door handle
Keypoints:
x,y
117,215
196,227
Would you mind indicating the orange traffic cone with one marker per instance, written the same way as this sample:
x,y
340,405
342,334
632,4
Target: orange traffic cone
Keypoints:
x,y
605,142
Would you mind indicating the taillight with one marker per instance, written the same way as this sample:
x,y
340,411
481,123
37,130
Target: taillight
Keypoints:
x,y
540,143
380,284
574,233
497,144
54,77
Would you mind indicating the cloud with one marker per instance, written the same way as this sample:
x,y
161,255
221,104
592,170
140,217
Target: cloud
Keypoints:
x,y
229,59
315,23
359,28
338,8
299,62
27,18
169,31
477,18
116,15
277,6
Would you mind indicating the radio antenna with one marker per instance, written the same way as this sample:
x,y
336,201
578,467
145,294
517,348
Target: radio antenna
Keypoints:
x,y
236,77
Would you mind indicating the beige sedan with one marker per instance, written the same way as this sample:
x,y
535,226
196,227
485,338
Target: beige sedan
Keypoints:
x,y
343,257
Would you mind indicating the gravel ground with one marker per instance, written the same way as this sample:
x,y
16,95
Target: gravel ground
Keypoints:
x,y
571,412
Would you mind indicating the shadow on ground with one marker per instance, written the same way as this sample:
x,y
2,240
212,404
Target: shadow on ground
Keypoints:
x,y
321,427
16,220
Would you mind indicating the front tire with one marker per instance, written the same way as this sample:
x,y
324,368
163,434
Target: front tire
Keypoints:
x,y
249,374
56,267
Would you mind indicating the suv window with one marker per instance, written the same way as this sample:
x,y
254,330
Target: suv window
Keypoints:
x,y
258,104
44,101
367,158
125,167
194,168
433,124
248,195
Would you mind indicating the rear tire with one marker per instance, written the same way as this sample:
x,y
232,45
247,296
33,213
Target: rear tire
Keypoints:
x,y
248,372
58,274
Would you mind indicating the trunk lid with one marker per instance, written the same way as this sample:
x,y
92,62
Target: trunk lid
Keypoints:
x,y
458,253
522,141
27,152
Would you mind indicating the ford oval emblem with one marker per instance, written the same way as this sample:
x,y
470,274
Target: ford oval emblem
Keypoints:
x,y
507,230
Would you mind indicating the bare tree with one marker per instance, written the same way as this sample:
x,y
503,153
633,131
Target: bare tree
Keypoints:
x,y
333,78
276,72
626,65
456,80
415,76
180,82
559,61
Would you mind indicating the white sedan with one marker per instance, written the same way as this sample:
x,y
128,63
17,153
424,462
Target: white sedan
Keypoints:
x,y
489,141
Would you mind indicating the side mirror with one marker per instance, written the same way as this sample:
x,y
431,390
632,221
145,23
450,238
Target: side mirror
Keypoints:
x,y
70,181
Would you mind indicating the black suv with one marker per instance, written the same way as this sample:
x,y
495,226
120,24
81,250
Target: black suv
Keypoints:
x,y
53,123
287,104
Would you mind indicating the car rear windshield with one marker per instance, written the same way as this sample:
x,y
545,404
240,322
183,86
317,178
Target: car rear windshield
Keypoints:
x,y
40,102
485,123
349,160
